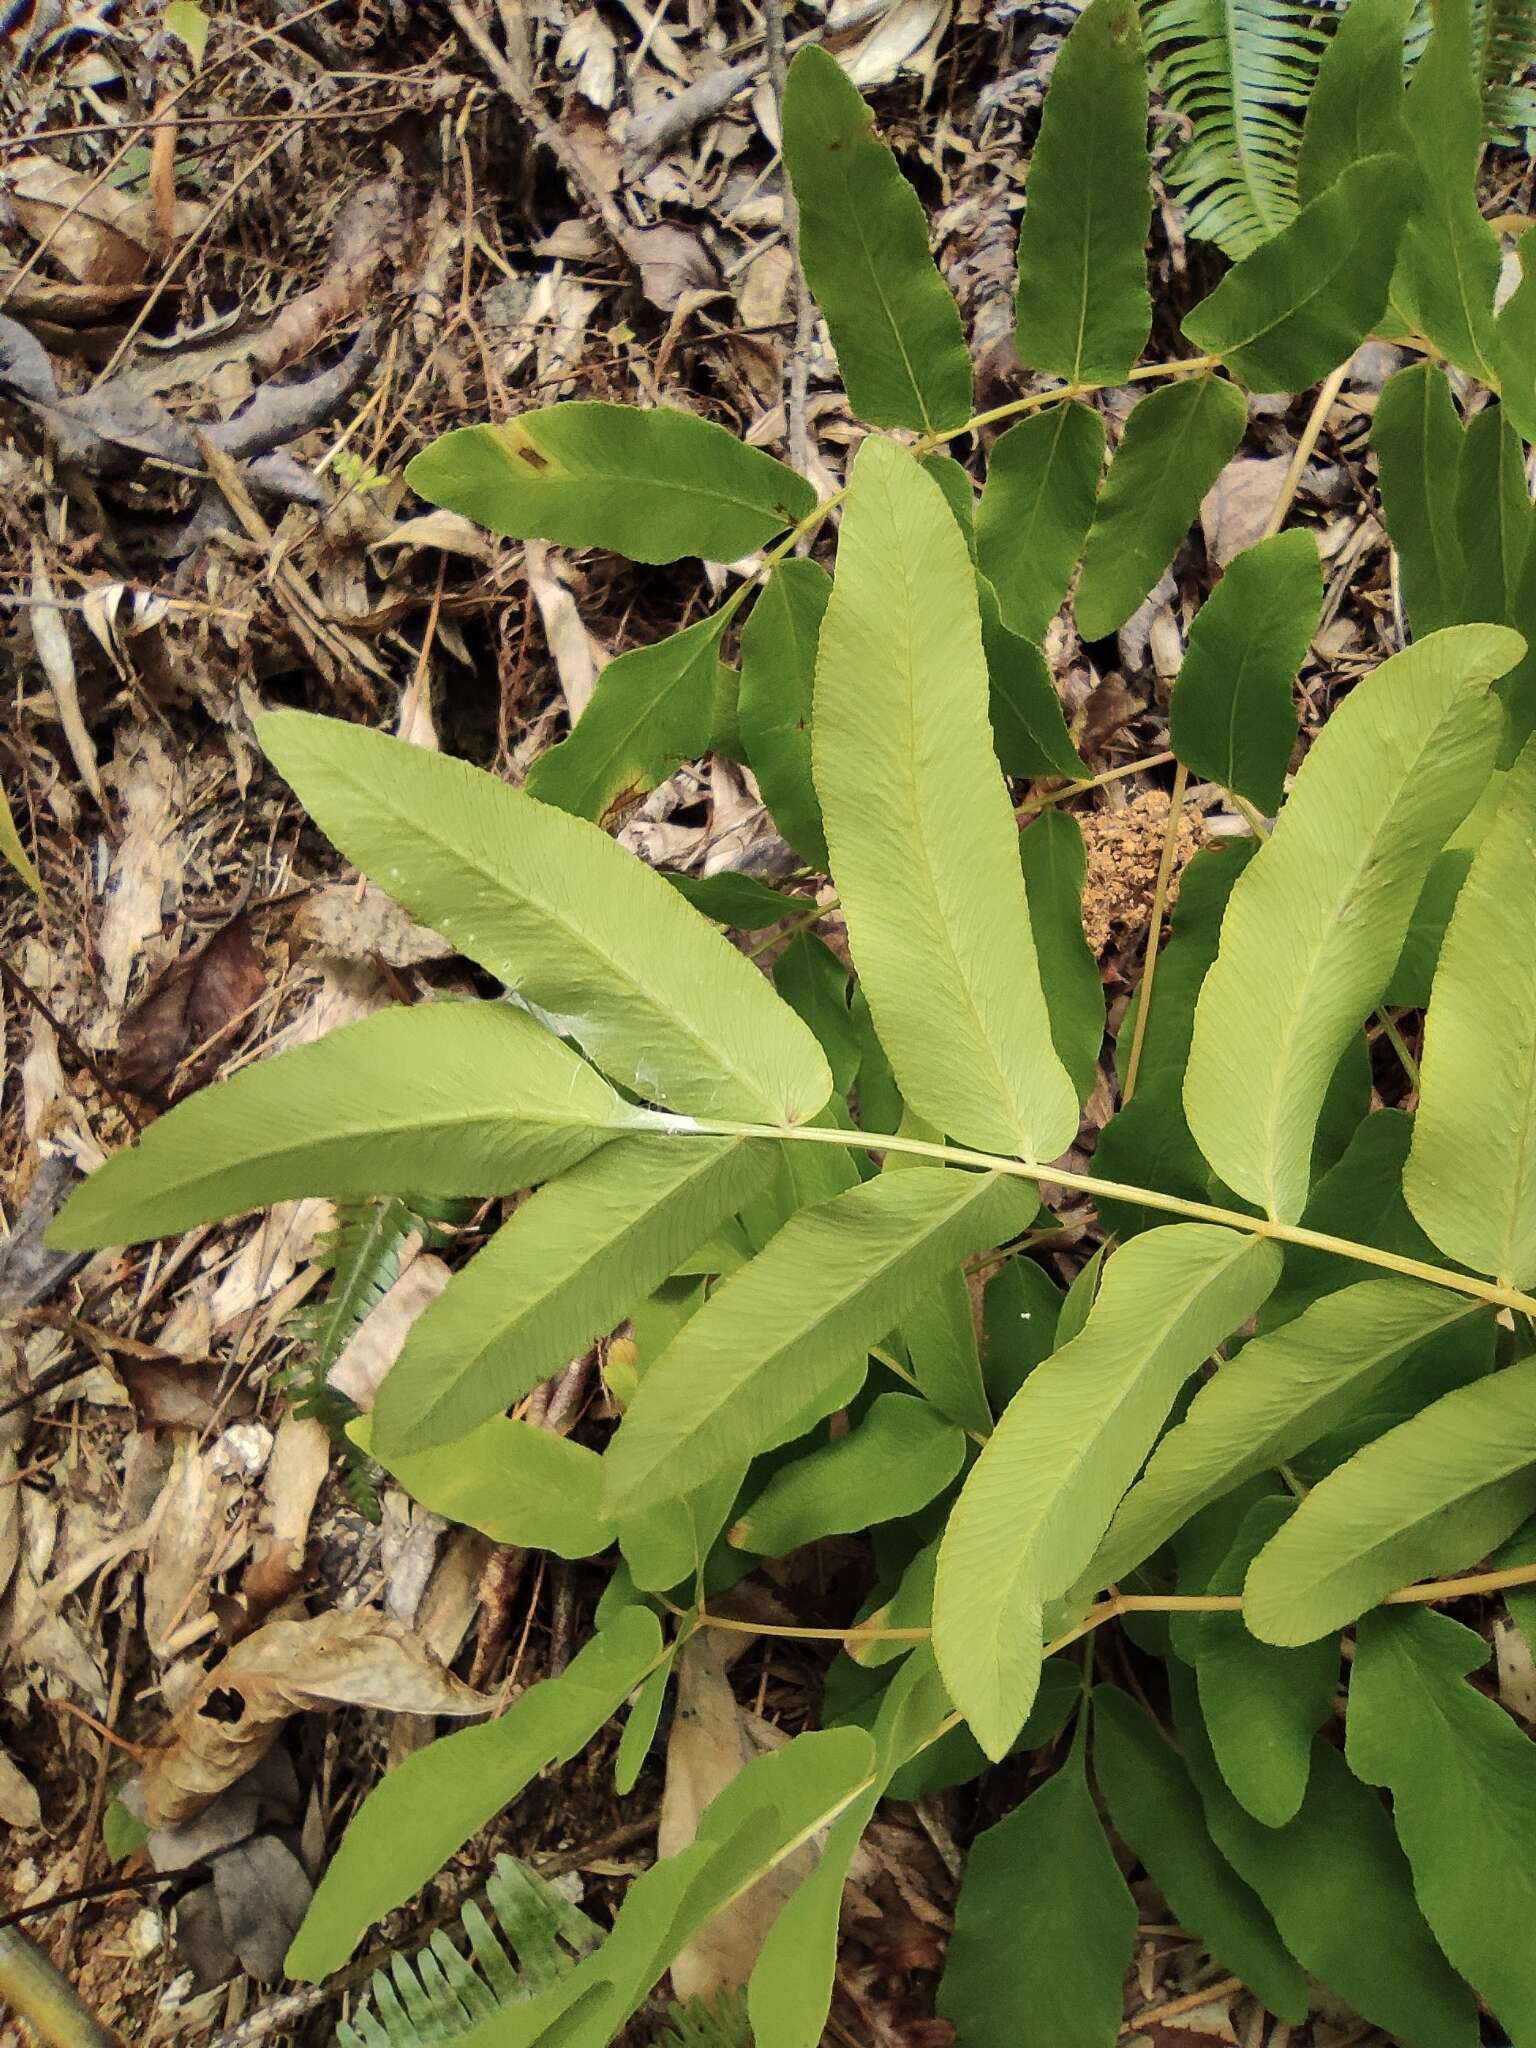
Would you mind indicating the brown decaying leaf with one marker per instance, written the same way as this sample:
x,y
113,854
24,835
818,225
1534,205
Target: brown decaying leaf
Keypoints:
x,y
91,236
194,1002
712,1739
353,1659
167,1394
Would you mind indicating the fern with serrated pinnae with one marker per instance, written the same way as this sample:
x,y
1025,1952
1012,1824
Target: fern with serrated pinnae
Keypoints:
x,y
441,1993
363,1255
1504,36
720,2023
1239,73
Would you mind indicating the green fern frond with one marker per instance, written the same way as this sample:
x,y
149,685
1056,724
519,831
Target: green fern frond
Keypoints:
x,y
721,2023
440,1993
1504,33
1240,73
363,1255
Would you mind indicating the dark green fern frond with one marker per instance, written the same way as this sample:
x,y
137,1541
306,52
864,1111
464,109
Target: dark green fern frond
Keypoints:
x,y
720,2023
1504,32
1239,73
363,1255
441,1993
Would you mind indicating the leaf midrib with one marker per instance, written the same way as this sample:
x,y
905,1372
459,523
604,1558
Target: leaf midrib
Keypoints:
x,y
694,1334
464,856
505,1330
1282,1082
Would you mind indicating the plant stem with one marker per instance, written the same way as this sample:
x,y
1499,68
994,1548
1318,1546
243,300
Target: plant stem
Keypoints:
x,y
811,916
1031,804
1118,1190
1186,366
1428,1593
1317,419
1155,929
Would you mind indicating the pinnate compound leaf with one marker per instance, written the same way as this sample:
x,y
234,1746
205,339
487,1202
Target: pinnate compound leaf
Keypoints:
x,y
1282,1392
427,1808
941,1344
1233,720
1029,727
1339,1888
1044,1926
1450,257
653,709
1431,1496
734,898
891,1463
814,983
1035,511
1417,437
777,1802
922,836
1175,445
568,919
442,1099
1262,1705
791,1984
567,1266
1494,517
864,244
1355,109
1083,312
1317,921
1515,332
1462,1776
1051,848
654,485
1157,1812
513,1481
784,1340
1471,1173
1045,1487
778,672
1300,304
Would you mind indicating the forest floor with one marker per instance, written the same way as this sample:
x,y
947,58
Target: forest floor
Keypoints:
x,y
356,223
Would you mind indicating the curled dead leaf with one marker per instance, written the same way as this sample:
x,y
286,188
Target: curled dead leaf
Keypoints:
x,y
354,1659
87,223
176,1033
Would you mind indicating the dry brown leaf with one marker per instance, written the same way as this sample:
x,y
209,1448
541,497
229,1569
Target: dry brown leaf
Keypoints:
x,y
905,39
376,1344
713,1738
263,1894
191,1542
1236,509
372,926
356,1659
90,229
20,1806
367,226
301,1456
191,1004
148,873
168,1394
579,660
51,640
